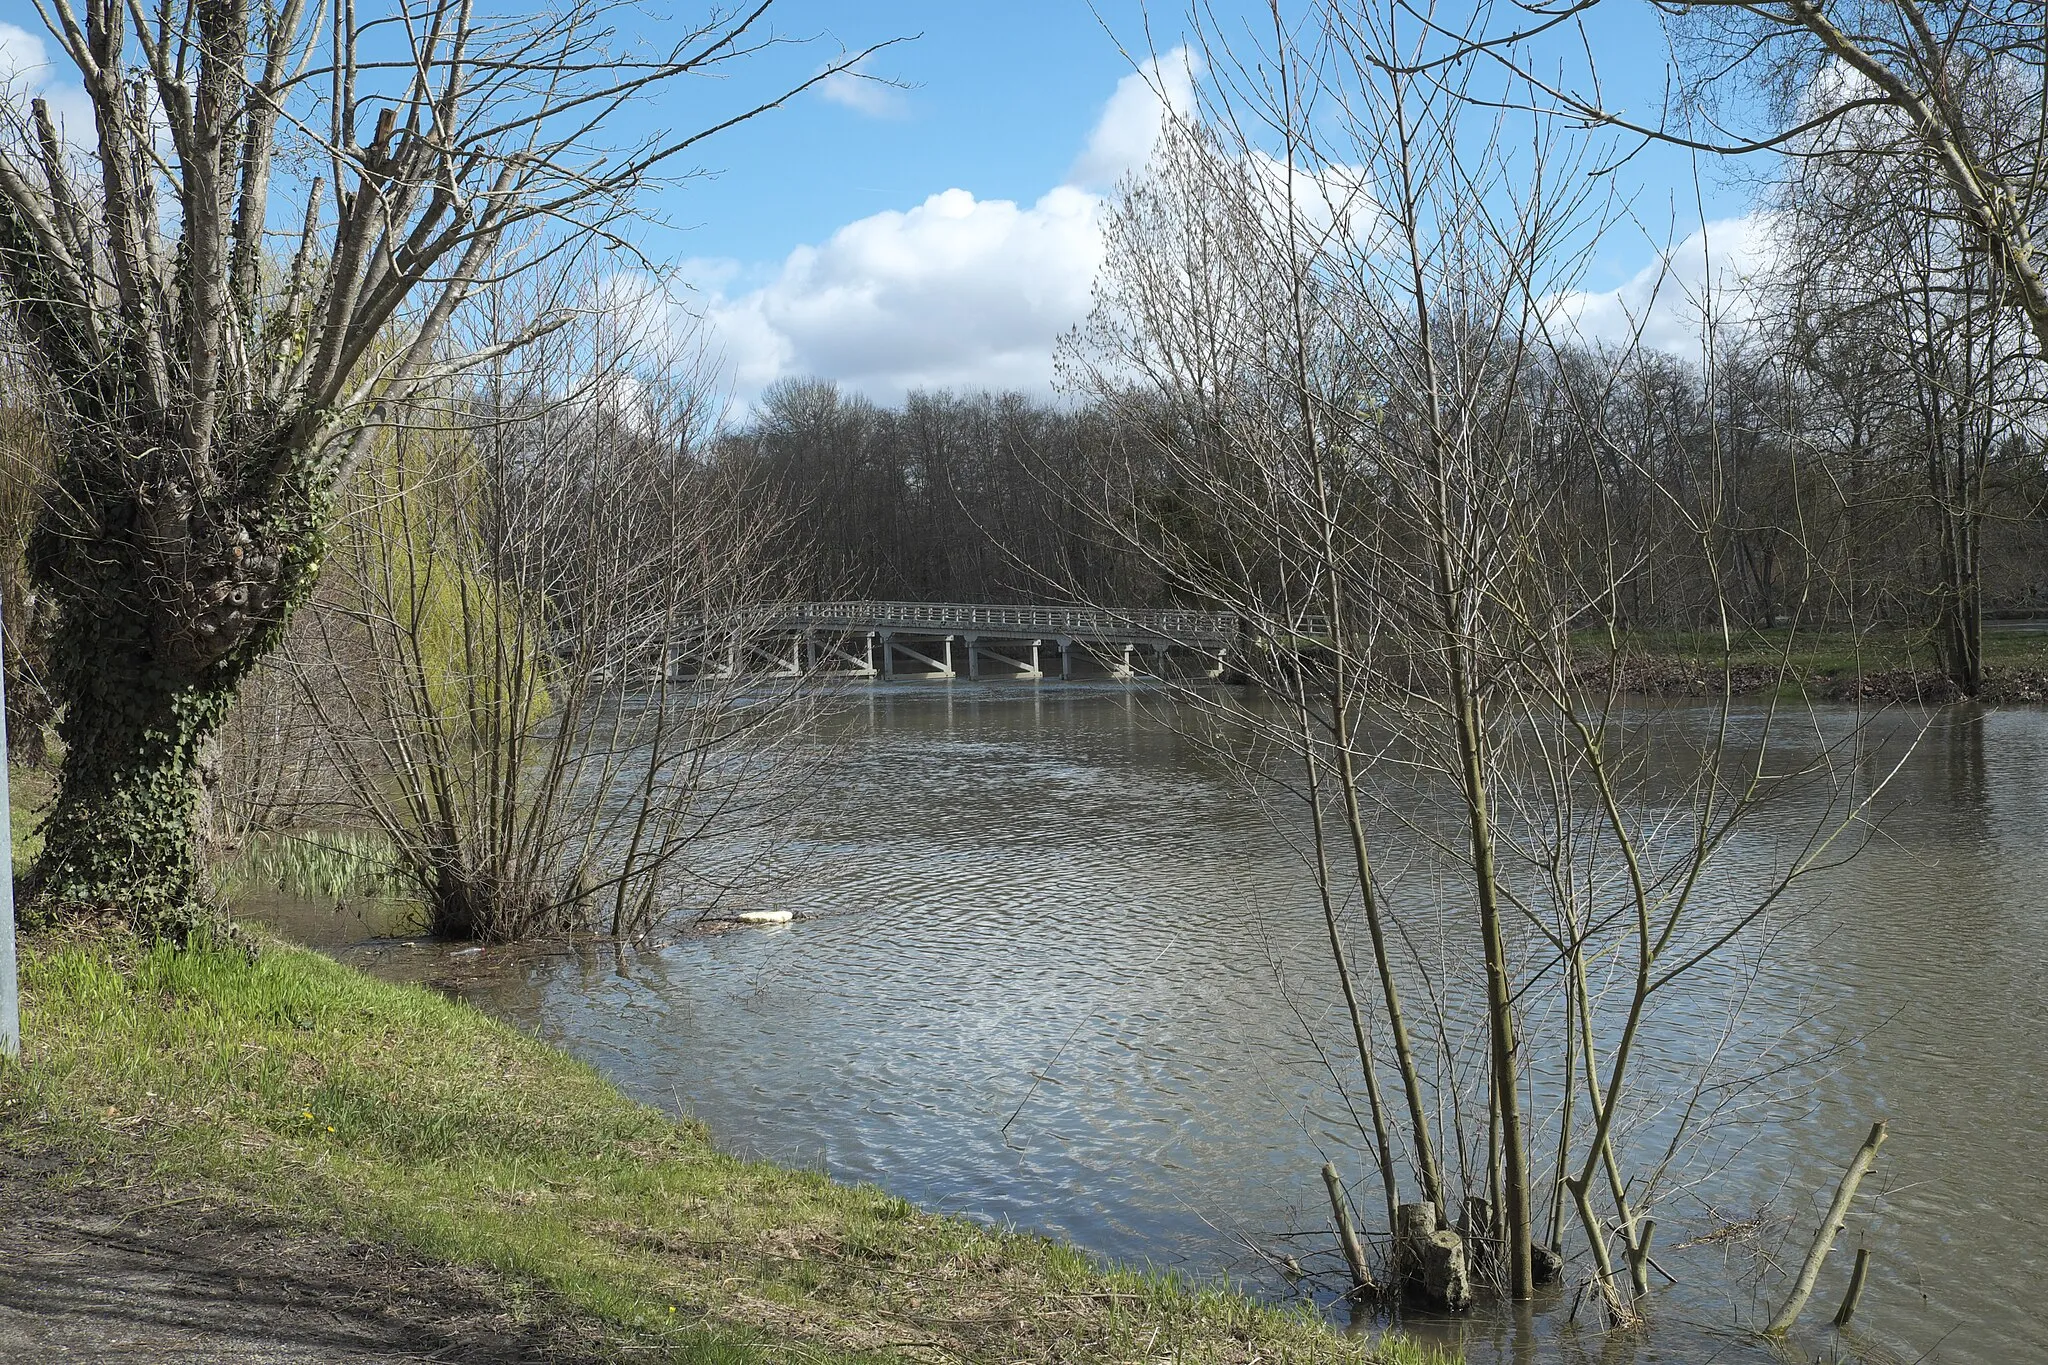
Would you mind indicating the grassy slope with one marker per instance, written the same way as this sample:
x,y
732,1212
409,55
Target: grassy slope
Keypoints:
x,y
301,1091
1841,654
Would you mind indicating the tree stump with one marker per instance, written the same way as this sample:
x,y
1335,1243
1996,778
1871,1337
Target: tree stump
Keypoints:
x,y
1430,1259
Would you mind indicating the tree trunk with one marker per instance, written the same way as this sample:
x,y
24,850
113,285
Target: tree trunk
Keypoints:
x,y
166,597
1960,618
120,835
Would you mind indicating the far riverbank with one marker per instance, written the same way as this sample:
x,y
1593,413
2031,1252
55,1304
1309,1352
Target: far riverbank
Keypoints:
x,y
1830,666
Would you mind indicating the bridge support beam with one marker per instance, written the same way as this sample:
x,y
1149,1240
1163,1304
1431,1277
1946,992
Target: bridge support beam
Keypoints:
x,y
941,665
778,666
1020,666
832,648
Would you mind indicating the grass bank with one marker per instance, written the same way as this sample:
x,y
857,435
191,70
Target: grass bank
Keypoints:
x,y
1830,665
303,1094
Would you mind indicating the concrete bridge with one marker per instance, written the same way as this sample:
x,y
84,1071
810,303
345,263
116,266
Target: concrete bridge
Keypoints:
x,y
867,639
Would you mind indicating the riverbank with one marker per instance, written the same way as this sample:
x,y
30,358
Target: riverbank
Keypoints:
x,y
292,1098
1832,666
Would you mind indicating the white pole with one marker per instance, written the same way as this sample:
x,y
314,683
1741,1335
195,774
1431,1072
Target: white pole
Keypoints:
x,y
10,1002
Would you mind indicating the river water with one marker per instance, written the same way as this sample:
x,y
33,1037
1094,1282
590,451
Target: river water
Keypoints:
x,y
1056,967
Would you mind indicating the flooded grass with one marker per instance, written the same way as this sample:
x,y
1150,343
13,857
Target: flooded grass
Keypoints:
x,y
316,865
1834,653
1888,665
293,1089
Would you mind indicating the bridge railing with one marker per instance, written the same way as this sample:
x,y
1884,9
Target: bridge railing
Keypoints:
x,y
1169,624
956,617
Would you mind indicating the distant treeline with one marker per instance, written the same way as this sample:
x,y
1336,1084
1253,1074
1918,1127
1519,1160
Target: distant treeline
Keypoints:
x,y
1794,492
981,497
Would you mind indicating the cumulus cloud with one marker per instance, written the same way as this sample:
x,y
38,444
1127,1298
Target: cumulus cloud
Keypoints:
x,y
968,293
956,292
1129,126
860,90
21,53
1669,301
27,71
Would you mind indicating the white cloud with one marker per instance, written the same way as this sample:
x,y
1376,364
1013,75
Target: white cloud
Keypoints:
x,y
968,293
1668,302
1129,127
860,90
26,71
21,56
957,292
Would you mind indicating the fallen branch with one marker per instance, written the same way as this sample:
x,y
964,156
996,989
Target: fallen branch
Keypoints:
x,y
1361,1274
1824,1240
1855,1294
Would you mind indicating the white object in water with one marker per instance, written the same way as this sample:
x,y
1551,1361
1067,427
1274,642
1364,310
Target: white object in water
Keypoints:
x,y
764,917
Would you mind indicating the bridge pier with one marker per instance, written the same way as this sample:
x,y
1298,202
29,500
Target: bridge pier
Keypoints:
x,y
941,666
1020,667
918,638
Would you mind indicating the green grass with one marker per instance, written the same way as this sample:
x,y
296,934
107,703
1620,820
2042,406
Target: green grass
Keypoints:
x,y
1839,653
300,1091
323,865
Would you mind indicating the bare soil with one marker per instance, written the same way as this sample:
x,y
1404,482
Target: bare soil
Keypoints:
x,y
126,1277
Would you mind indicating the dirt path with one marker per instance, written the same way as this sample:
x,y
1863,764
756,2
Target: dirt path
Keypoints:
x,y
179,1284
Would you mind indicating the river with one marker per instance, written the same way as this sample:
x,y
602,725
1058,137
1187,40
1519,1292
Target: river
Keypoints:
x,y
1056,967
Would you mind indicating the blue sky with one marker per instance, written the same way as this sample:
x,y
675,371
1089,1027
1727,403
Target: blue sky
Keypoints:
x,y
943,234
934,236
1002,97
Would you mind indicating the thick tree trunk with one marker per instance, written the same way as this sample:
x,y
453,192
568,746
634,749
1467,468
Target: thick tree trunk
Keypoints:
x,y
120,835
165,599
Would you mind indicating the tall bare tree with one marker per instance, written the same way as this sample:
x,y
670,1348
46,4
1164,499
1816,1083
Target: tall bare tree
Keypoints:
x,y
250,264
1871,283
1959,90
1332,319
534,665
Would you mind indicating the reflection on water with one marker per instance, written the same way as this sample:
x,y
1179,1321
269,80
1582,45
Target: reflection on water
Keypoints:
x,y
1059,970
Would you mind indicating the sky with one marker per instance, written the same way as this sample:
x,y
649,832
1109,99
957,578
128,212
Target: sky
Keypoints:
x,y
939,227
942,232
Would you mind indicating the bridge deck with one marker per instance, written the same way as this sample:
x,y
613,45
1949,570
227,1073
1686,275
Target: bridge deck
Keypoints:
x,y
1191,628
868,638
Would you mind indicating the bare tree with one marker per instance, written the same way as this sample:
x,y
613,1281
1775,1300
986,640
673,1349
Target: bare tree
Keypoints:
x,y
1872,284
253,263
1960,92
1331,318
25,457
534,662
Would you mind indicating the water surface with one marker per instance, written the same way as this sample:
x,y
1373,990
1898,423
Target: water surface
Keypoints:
x,y
1058,968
